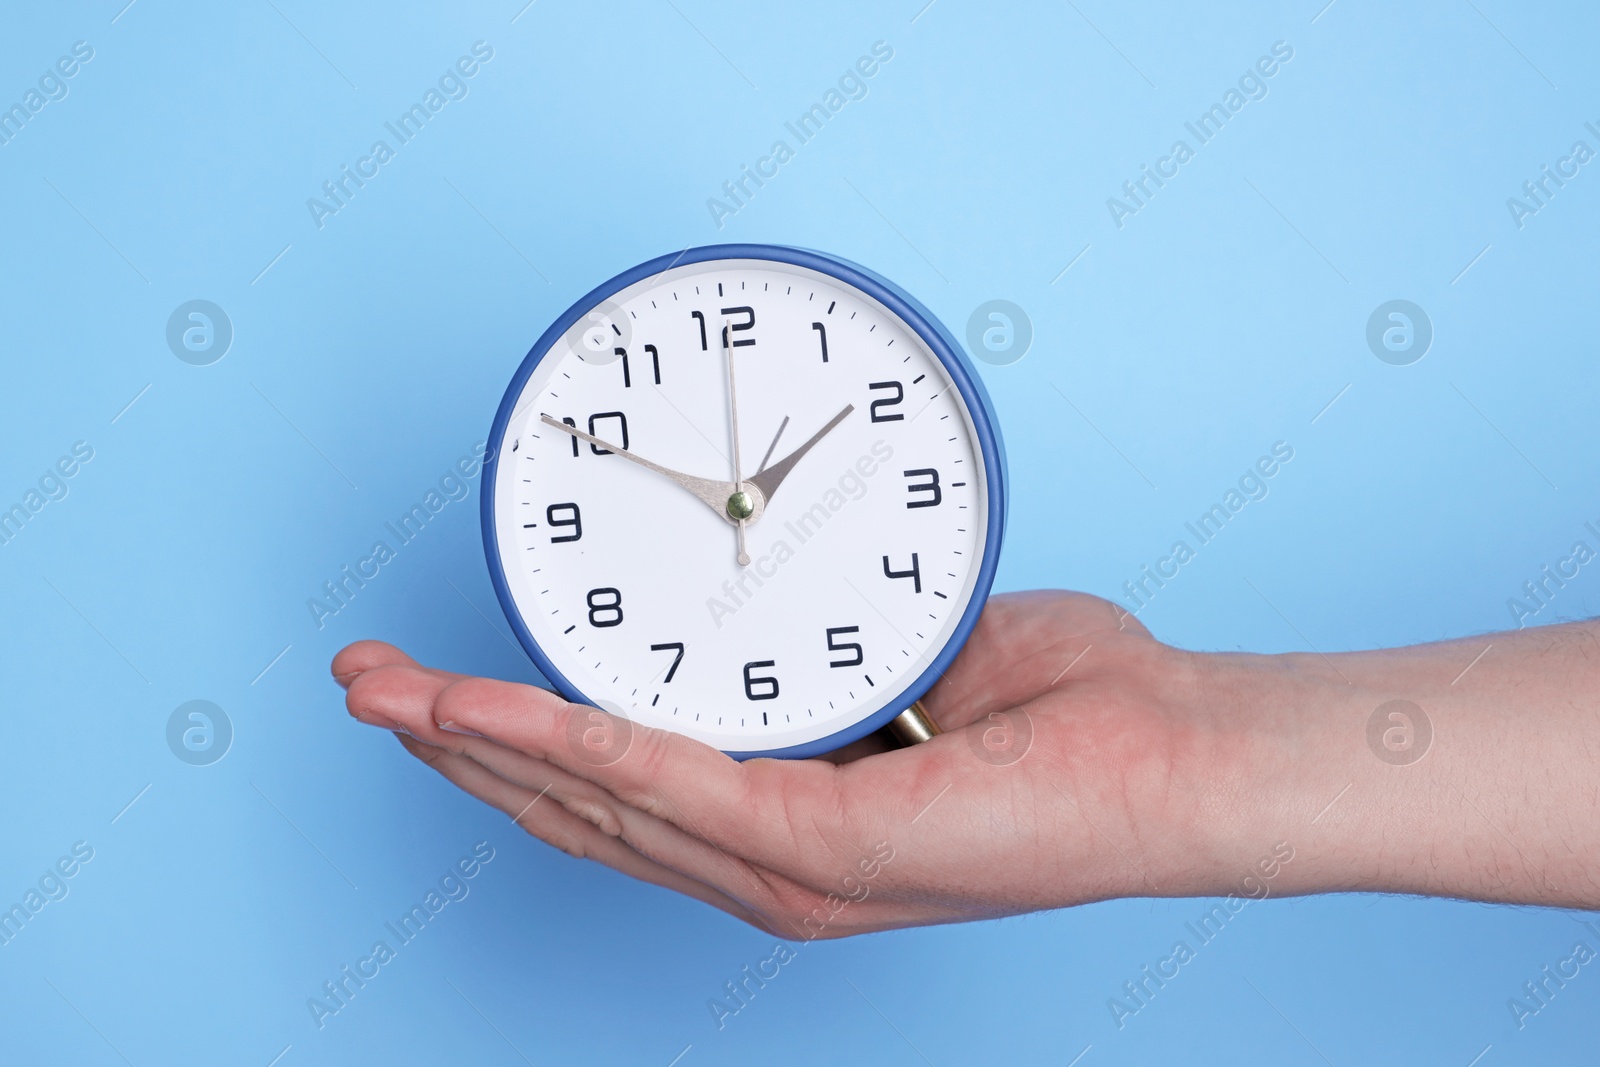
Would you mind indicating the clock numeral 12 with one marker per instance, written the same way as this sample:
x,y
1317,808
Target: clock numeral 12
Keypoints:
x,y
915,573
740,326
751,681
844,646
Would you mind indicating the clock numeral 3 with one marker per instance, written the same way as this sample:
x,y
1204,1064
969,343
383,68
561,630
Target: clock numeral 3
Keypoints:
x,y
750,682
575,520
844,646
929,486
675,659
915,573
887,402
608,602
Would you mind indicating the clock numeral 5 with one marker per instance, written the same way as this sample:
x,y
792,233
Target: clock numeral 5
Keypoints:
x,y
575,520
915,573
675,659
929,486
605,601
844,646
887,402
750,681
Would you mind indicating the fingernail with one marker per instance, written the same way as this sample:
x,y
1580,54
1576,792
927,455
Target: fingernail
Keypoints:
x,y
372,718
452,728
346,679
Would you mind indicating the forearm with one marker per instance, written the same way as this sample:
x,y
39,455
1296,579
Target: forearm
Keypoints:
x,y
1501,803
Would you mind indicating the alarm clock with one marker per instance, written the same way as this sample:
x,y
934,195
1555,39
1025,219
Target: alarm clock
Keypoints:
x,y
748,493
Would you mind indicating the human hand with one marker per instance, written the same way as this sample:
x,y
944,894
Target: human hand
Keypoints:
x,y
1058,780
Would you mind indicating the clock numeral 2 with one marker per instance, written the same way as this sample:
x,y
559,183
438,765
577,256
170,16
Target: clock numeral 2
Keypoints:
x,y
737,327
844,646
915,573
750,681
929,486
575,521
605,601
675,659
887,402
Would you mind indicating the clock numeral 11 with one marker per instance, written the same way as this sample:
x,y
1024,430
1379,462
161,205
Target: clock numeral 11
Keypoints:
x,y
655,364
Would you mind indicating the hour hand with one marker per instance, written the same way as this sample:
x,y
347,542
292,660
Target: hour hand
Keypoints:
x,y
771,477
713,494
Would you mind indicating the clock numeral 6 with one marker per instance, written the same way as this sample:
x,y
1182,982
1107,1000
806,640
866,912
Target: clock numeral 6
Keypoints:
x,y
915,573
930,486
887,402
608,602
750,681
844,646
575,520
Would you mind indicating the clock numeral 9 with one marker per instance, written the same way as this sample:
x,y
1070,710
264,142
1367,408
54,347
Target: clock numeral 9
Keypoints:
x,y
575,521
751,682
887,402
915,573
844,646
608,602
930,486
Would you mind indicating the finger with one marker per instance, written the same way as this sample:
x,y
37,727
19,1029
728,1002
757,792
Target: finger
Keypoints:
x,y
558,827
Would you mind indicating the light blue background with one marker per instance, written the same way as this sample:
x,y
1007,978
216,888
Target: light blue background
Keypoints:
x,y
1221,318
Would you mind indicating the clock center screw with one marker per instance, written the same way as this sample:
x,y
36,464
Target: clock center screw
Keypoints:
x,y
740,506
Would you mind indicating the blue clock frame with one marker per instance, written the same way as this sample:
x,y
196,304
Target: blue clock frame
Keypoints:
x,y
918,318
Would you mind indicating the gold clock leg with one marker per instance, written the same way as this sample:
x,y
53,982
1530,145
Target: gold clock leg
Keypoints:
x,y
913,726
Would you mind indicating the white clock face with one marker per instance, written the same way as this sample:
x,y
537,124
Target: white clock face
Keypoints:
x,y
863,553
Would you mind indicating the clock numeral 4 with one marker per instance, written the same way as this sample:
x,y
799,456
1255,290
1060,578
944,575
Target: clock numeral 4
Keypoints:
x,y
667,646
768,684
929,486
844,646
574,520
888,401
915,573
606,602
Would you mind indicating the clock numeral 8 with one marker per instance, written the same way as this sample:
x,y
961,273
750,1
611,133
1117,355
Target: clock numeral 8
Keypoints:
x,y
750,682
611,607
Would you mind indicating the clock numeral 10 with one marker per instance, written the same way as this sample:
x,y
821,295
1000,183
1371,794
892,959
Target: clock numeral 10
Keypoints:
x,y
915,573
752,681
575,520
606,602
844,646
622,421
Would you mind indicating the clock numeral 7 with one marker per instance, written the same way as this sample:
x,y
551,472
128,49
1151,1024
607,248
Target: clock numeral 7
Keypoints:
x,y
750,681
887,402
665,646
915,573
655,363
575,520
844,646
929,486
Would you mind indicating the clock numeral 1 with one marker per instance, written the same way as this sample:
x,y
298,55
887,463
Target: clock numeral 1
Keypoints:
x,y
915,573
608,602
844,646
887,402
750,681
575,520
740,326
675,659
929,486
822,335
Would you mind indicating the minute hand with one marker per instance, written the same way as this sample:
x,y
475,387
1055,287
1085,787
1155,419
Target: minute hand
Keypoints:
x,y
713,493
769,479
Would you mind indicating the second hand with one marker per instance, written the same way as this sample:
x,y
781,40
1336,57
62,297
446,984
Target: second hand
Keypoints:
x,y
739,506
